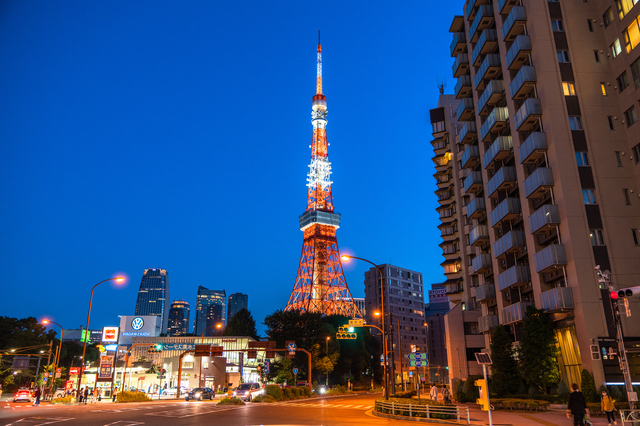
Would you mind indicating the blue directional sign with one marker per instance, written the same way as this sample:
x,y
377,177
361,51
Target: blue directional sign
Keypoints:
x,y
292,347
266,366
295,371
422,363
417,355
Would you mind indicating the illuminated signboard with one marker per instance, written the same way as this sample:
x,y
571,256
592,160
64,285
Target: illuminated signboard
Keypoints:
x,y
178,346
110,334
106,366
74,370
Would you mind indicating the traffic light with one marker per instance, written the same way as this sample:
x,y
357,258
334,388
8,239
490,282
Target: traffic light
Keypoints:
x,y
626,292
346,333
484,394
156,349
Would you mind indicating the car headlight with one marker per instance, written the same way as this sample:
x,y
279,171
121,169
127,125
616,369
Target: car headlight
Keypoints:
x,y
234,394
197,394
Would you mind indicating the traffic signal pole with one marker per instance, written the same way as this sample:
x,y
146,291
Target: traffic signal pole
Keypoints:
x,y
484,372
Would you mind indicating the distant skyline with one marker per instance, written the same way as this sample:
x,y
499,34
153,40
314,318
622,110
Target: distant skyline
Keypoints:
x,y
176,135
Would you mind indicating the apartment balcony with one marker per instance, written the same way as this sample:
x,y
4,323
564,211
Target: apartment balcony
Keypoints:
x,y
508,209
487,322
533,148
523,82
451,266
485,292
550,258
463,87
491,95
468,132
460,65
447,211
499,150
473,182
470,157
476,208
442,161
487,43
495,122
442,178
483,20
519,52
479,235
514,25
440,143
511,242
544,219
559,299
502,180
513,313
444,194
489,69
517,275
458,44
481,263
536,185
454,289
504,6
528,115
448,229
450,247
465,110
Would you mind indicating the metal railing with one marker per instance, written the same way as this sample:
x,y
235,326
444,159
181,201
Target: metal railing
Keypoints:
x,y
453,413
630,417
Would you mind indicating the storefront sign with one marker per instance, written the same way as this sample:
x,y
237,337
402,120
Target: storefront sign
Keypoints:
x,y
178,346
74,370
110,334
106,367
438,296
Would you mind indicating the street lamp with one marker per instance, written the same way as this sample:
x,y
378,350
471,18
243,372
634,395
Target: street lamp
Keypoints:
x,y
393,363
119,280
57,358
218,326
327,352
346,258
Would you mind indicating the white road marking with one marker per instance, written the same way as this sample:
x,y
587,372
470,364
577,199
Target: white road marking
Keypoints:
x,y
37,421
124,423
188,412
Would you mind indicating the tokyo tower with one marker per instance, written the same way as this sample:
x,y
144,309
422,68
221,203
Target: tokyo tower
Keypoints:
x,y
320,285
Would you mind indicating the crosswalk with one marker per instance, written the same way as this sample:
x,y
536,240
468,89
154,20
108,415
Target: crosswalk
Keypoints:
x,y
331,406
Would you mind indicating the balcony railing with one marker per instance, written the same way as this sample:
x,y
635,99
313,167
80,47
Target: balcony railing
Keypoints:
x,y
487,322
458,44
442,178
518,52
514,24
447,213
471,156
487,43
470,10
463,87
465,110
514,313
442,160
504,6
502,180
479,235
449,230
510,242
476,208
444,195
495,122
454,289
491,95
508,209
489,69
460,65
523,82
533,148
543,219
558,299
484,19
439,143
550,257
485,292
473,182
537,184
481,263
528,115
517,275
499,150
468,132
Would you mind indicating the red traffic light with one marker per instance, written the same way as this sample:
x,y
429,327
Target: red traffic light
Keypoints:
x,y
614,294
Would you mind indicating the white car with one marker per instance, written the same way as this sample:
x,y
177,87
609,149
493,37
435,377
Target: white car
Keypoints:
x,y
174,390
247,391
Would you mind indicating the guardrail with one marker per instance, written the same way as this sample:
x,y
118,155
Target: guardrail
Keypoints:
x,y
435,413
630,417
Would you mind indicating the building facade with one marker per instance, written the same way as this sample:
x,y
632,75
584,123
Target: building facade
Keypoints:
x,y
361,305
404,299
536,158
237,301
206,310
153,296
435,347
179,318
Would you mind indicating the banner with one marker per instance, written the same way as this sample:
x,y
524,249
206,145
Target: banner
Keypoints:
x,y
438,296
106,367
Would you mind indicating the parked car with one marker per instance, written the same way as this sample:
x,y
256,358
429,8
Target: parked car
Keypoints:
x,y
23,394
200,394
174,390
247,391
59,393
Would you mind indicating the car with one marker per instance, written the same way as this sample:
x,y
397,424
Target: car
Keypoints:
x,y
248,391
23,394
59,393
173,390
200,394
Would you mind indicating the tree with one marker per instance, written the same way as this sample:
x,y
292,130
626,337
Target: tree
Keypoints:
x,y
588,386
281,371
538,350
305,328
505,377
241,324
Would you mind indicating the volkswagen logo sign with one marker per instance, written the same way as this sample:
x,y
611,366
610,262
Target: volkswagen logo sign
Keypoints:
x,y
137,323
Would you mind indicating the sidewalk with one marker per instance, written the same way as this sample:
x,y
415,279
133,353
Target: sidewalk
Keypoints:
x,y
509,418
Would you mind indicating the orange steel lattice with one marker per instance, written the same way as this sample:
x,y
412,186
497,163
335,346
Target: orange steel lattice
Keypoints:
x,y
320,285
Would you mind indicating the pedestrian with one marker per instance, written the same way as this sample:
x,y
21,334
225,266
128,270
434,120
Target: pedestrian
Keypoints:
x,y
99,395
80,395
94,395
577,406
434,393
445,395
37,395
606,404
113,397
86,395
0,390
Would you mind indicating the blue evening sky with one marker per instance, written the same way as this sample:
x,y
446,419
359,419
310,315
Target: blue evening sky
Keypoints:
x,y
175,134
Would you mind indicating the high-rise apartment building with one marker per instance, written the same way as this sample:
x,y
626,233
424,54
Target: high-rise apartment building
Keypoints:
x,y
153,296
237,301
404,299
536,158
206,299
360,304
436,348
178,318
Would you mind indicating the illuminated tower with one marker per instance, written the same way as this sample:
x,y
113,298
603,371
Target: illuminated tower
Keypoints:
x,y
320,285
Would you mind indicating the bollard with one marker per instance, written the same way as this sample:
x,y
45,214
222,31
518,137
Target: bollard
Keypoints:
x,y
428,415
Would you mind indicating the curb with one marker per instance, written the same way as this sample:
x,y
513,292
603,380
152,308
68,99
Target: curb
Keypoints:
x,y
415,419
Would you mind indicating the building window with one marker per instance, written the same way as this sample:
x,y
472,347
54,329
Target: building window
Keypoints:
x,y
632,35
623,82
636,153
556,25
582,159
635,72
603,89
568,88
563,56
590,25
610,118
607,18
597,55
619,159
575,123
627,196
636,237
616,48
589,196
596,237
631,116
624,6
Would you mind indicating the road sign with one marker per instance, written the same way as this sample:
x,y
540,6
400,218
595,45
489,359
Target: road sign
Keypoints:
x,y
356,323
45,379
46,374
422,363
417,355
295,371
266,366
292,347
162,377
410,373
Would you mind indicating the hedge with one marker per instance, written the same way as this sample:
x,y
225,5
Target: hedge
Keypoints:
x,y
264,398
65,400
520,404
595,407
275,392
126,396
304,391
231,401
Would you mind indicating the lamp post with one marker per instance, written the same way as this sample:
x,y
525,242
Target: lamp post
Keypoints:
x,y
218,326
56,359
119,280
393,363
346,258
327,352
426,324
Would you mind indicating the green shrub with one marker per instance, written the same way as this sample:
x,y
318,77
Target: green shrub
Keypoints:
x,y
520,404
65,400
563,391
287,394
304,391
295,392
470,390
338,390
407,394
275,392
588,386
126,396
263,398
231,401
458,393
615,394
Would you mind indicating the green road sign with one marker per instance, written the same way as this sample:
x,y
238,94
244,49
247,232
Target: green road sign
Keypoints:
x,y
422,363
417,355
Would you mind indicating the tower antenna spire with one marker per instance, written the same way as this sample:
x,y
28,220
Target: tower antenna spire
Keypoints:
x,y
319,68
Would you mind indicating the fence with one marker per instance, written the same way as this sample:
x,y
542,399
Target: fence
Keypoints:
x,y
437,413
630,417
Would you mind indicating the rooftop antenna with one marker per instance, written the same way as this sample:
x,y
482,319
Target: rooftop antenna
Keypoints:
x,y
441,83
